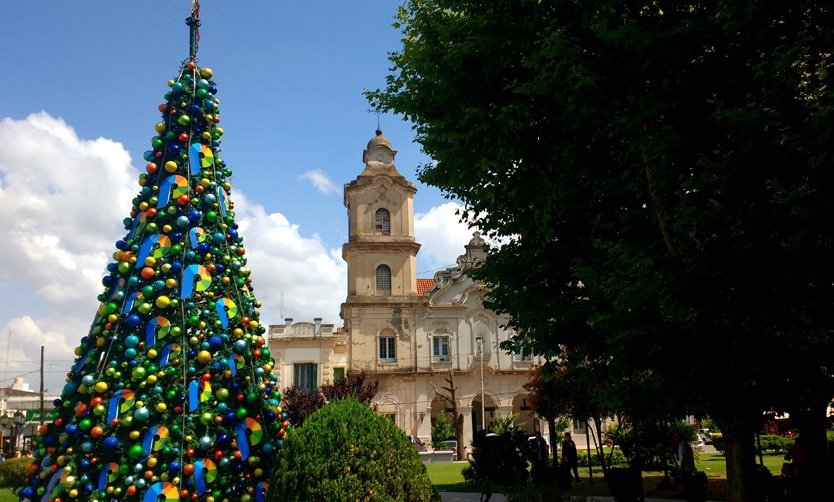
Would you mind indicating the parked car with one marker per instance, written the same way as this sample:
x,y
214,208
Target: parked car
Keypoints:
x,y
699,443
417,443
706,435
452,444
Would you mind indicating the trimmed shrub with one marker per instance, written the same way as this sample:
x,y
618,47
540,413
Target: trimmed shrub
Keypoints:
x,y
14,471
615,457
345,451
779,444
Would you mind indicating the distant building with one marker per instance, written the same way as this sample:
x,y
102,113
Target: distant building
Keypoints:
x,y
19,398
409,333
308,354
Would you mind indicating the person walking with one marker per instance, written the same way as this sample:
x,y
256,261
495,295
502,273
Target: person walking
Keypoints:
x,y
540,452
684,457
570,457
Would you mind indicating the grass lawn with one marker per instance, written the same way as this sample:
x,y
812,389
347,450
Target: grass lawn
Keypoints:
x,y
7,495
448,477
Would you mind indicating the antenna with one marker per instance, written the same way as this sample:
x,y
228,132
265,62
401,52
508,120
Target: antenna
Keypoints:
x,y
281,309
378,113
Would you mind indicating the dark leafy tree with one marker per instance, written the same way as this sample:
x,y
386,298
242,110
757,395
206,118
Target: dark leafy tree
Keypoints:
x,y
301,402
661,176
354,384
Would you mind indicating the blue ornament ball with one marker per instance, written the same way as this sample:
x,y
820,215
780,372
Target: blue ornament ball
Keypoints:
x,y
111,443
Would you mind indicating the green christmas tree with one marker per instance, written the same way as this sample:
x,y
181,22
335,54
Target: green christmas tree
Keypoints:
x,y
172,395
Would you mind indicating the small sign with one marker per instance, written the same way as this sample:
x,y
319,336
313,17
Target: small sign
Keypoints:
x,y
35,415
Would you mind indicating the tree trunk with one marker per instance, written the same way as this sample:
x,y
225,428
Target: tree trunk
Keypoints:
x,y
551,426
814,443
741,458
459,435
599,445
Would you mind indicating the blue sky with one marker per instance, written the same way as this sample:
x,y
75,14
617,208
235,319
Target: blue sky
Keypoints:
x,y
80,83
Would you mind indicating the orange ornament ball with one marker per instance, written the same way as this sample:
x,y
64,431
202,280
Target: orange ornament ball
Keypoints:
x,y
188,469
147,273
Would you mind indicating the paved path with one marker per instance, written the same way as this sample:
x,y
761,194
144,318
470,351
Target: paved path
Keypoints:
x,y
497,497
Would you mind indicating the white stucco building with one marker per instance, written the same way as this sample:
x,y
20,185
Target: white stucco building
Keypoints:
x,y
409,333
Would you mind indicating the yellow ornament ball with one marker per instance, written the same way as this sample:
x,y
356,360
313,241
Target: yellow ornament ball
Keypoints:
x,y
171,283
171,166
206,73
253,324
204,356
152,461
101,387
166,229
134,435
150,261
161,407
152,378
163,302
159,127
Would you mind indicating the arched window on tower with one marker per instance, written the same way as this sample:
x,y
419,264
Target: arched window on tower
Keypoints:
x,y
383,222
383,279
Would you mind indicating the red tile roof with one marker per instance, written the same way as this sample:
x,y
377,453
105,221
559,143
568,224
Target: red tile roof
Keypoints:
x,y
424,285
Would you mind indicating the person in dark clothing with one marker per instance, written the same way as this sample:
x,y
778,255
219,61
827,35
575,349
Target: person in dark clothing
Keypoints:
x,y
569,456
684,458
540,453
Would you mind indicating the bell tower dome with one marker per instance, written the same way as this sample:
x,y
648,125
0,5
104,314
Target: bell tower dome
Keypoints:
x,y
381,252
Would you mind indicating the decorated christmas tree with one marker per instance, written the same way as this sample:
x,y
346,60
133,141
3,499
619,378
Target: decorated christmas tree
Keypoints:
x,y
172,395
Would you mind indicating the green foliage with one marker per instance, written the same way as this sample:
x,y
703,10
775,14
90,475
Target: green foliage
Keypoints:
x,y
498,459
14,471
774,443
507,423
345,451
644,443
441,430
644,166
616,455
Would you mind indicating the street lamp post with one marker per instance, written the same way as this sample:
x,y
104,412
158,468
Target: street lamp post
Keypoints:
x,y
5,423
19,420
480,341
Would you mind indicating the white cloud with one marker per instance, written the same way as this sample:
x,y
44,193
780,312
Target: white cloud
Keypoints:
x,y
442,235
320,180
311,278
63,201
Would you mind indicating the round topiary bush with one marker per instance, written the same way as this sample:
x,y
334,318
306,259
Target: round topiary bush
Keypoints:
x,y
13,472
345,451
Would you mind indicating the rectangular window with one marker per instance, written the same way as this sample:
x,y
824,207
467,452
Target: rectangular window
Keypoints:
x,y
440,348
520,356
387,349
306,375
338,374
579,426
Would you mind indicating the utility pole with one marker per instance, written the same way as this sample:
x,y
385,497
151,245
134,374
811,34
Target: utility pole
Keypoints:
x,y
480,341
41,403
